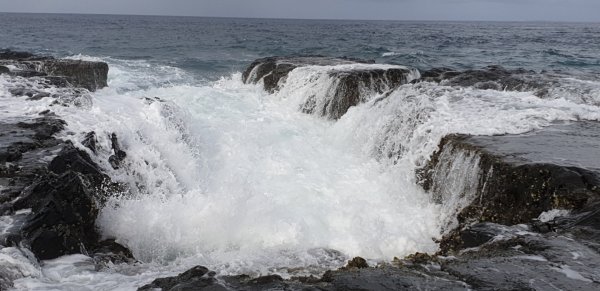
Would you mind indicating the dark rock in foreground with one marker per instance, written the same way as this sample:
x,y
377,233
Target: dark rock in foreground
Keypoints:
x,y
52,190
195,278
84,74
516,259
381,278
49,189
62,192
352,85
499,258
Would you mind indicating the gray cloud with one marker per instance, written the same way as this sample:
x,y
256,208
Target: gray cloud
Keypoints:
x,y
550,10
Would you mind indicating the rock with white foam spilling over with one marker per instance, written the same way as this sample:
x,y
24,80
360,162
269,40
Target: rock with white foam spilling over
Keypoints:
x,y
515,178
327,86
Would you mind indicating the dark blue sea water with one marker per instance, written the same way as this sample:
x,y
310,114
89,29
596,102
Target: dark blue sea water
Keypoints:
x,y
216,46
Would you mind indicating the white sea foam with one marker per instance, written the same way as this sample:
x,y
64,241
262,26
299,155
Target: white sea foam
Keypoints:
x,y
552,214
313,88
390,54
576,90
227,176
572,274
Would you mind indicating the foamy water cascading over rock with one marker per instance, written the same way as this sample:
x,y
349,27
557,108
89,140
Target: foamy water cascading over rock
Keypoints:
x,y
327,86
236,178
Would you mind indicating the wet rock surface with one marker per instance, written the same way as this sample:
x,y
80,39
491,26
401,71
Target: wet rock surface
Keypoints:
x,y
522,179
490,77
351,86
521,176
517,259
497,257
50,191
277,68
75,73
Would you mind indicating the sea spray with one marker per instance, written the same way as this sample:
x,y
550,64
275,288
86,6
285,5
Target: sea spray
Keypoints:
x,y
228,176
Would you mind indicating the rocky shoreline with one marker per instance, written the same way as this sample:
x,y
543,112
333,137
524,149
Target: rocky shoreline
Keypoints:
x,y
50,189
508,233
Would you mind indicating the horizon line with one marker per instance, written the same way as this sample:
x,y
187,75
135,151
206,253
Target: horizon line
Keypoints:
x,y
292,18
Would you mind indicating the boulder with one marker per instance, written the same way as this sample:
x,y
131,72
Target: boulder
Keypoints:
x,y
109,252
357,263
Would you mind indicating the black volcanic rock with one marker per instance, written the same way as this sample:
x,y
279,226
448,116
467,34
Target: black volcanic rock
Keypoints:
x,y
74,73
4,70
110,252
14,55
64,220
490,77
89,75
277,68
116,159
357,263
521,176
49,189
351,87
63,193
192,279
90,141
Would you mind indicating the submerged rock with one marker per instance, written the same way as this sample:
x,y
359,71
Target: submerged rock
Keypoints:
x,y
543,84
110,252
14,55
350,81
490,77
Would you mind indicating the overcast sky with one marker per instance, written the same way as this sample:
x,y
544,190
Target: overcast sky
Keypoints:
x,y
553,10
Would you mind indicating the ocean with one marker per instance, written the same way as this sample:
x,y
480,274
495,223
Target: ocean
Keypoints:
x,y
226,175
